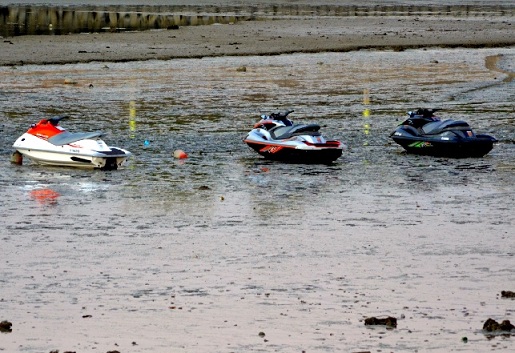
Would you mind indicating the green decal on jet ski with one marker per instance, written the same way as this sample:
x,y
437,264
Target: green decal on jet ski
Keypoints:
x,y
420,144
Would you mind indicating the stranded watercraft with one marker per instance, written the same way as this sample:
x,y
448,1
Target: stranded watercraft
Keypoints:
x,y
424,133
48,143
275,137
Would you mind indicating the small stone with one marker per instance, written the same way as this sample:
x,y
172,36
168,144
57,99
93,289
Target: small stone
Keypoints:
x,y
506,326
6,326
17,158
491,325
388,321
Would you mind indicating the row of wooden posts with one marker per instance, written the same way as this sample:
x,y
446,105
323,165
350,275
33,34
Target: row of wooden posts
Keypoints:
x,y
26,19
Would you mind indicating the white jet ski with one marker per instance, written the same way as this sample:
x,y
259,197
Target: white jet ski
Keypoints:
x,y
48,143
277,138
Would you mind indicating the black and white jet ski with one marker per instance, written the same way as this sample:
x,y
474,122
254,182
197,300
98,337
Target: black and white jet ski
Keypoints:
x,y
275,137
426,134
48,143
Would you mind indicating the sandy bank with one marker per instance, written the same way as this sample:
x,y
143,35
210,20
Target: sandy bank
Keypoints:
x,y
261,38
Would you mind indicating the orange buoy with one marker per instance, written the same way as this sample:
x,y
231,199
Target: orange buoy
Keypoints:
x,y
180,154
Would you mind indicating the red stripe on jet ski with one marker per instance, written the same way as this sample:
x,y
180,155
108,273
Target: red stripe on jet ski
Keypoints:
x,y
271,149
327,144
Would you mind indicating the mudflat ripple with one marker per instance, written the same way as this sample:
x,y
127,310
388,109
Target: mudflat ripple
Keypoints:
x,y
226,252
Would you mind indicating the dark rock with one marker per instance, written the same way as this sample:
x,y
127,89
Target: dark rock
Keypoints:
x,y
491,325
506,326
507,294
388,321
5,326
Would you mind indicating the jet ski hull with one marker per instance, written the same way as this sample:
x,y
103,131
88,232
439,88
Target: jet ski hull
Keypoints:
x,y
73,160
467,148
295,154
79,154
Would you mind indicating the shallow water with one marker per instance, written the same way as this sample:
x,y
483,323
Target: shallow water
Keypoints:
x,y
147,259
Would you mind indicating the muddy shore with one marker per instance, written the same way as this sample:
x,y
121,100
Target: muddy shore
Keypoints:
x,y
227,252
264,37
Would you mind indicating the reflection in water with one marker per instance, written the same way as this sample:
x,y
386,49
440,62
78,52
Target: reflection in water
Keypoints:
x,y
132,118
59,19
366,115
45,196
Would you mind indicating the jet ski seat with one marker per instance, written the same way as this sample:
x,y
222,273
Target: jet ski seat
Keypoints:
x,y
285,132
411,130
66,137
437,127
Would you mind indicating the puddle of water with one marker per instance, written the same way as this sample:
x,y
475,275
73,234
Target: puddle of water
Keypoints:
x,y
203,254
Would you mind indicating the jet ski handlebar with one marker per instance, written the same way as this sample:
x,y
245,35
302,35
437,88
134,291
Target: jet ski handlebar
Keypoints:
x,y
280,115
56,119
426,113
